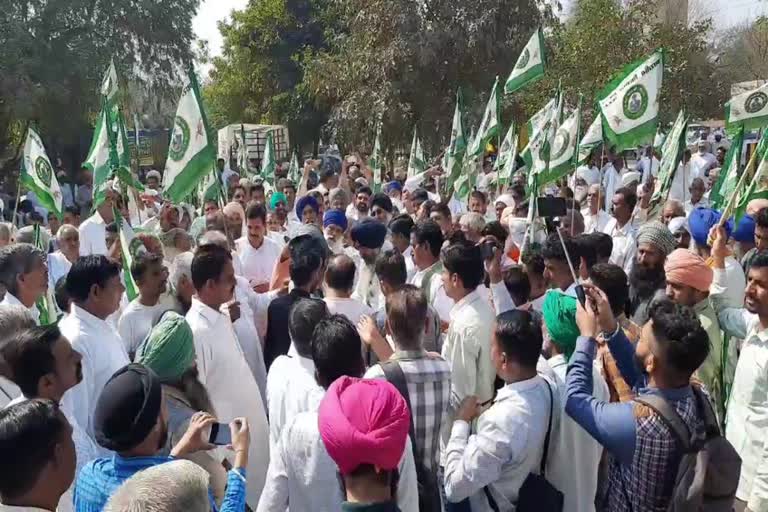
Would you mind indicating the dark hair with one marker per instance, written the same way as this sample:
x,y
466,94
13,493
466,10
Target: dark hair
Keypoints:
x,y
519,334
553,248
60,294
142,262
288,184
238,186
419,195
256,211
465,260
629,196
587,249
30,356
88,271
382,201
495,229
613,281
74,210
29,433
111,228
428,232
340,273
208,264
761,218
760,260
336,350
518,285
603,244
402,225
304,263
304,315
406,312
364,190
390,268
533,261
683,341
443,210
478,195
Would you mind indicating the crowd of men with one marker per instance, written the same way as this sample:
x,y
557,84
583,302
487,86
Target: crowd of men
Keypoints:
x,y
316,346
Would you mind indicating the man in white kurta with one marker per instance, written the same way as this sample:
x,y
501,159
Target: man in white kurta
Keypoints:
x,y
258,254
93,235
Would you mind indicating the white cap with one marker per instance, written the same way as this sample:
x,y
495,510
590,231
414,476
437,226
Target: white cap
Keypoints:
x,y
677,224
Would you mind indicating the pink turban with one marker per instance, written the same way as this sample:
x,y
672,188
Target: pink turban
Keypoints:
x,y
363,421
684,267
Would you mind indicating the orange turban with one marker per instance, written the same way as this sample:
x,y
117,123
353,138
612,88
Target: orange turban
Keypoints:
x,y
685,267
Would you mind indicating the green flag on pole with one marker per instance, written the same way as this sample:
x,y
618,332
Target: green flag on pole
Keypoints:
x,y
375,162
191,153
37,174
748,110
109,85
507,157
542,128
489,126
530,64
592,139
294,171
561,158
268,162
46,305
454,155
758,183
629,104
729,173
416,162
98,159
130,247
671,153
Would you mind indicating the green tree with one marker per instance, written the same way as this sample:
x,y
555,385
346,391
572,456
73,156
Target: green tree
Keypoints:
x,y
260,75
54,54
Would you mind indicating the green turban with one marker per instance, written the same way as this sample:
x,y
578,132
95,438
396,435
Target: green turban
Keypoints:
x,y
559,311
168,350
276,198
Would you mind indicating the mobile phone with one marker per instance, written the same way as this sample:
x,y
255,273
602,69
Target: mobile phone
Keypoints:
x,y
220,434
551,206
488,249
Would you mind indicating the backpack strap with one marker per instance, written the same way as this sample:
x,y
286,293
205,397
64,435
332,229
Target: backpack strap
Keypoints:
x,y
670,417
395,376
707,412
543,465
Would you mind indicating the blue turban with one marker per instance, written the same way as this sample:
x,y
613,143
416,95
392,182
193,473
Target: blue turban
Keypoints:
x,y
336,218
745,230
701,220
369,234
303,203
393,185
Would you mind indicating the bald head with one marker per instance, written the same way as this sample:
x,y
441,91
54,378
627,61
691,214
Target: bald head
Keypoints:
x,y
340,274
672,209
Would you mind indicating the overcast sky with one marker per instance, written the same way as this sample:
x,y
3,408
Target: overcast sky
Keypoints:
x,y
725,13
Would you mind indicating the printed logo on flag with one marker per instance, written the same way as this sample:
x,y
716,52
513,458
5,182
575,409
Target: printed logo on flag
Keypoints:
x,y
635,102
43,170
136,248
756,102
179,139
562,139
524,58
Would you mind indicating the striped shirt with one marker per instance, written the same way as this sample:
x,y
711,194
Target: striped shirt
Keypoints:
x,y
100,478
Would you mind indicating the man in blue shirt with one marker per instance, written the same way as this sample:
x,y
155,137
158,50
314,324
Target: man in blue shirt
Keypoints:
x,y
644,453
131,420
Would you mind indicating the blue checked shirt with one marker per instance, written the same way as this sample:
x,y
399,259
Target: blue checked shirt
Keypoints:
x,y
99,479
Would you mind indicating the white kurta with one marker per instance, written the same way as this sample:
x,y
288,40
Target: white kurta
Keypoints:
x,y
351,308
224,372
624,244
103,354
93,236
137,320
435,291
10,300
595,223
248,336
58,267
258,264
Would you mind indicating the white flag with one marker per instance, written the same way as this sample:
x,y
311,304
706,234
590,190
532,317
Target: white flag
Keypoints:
x,y
37,174
98,160
749,109
530,64
591,139
629,104
563,149
489,126
109,85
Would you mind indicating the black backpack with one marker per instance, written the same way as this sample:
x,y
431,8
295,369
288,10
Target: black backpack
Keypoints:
x,y
710,468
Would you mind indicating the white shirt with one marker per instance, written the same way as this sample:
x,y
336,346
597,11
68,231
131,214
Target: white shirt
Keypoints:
x,y
689,206
137,320
103,354
701,163
10,300
507,447
58,267
291,389
351,308
624,244
410,266
367,287
302,474
681,183
258,264
247,331
595,223
611,183
747,413
353,215
648,167
435,291
231,386
574,455
590,174
93,236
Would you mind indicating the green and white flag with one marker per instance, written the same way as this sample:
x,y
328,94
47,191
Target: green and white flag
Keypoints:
x,y
530,64
629,104
758,183
748,110
671,153
541,128
489,126
110,86
46,305
191,153
467,179
541,118
130,247
592,139
416,162
507,157
294,171
38,176
563,149
726,182
454,155
268,161
375,162
98,160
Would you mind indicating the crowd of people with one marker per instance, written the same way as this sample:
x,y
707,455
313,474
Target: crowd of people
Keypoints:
x,y
316,346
